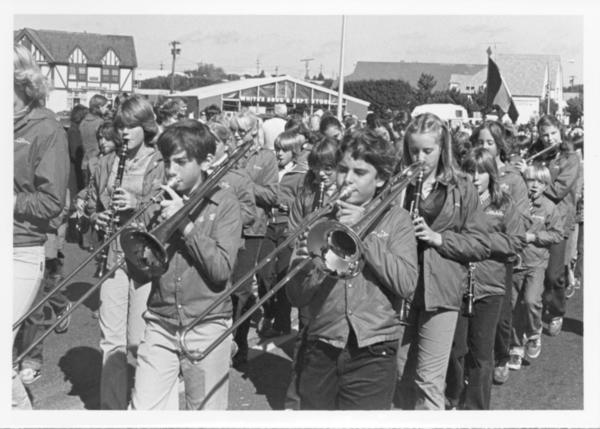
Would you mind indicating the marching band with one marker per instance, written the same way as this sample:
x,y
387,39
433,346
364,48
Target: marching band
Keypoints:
x,y
424,262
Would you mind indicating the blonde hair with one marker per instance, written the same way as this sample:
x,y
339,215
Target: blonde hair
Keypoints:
x,y
428,123
290,141
29,82
538,171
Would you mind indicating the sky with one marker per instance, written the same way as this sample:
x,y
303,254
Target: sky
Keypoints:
x,y
237,42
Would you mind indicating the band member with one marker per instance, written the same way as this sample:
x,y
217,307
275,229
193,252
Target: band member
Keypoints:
x,y
564,170
544,228
451,232
491,135
201,258
261,165
41,170
122,300
277,316
319,183
347,360
473,349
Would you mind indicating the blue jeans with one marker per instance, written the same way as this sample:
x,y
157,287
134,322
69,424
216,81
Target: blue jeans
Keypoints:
x,y
423,359
472,356
527,305
351,378
160,361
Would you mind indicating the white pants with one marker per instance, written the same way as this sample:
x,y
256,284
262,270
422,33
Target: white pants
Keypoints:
x,y
160,361
122,303
28,272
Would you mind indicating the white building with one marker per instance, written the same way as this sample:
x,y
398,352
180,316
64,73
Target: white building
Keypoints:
x,y
80,65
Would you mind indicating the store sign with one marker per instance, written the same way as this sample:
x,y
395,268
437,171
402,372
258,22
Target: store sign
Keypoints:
x,y
255,99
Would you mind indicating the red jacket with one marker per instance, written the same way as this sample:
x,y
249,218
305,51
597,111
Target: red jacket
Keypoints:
x,y
41,172
370,302
464,239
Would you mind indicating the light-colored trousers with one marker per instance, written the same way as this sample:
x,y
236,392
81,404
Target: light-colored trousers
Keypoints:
x,y
28,272
423,359
160,361
122,303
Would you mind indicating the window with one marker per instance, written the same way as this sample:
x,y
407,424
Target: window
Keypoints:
x,y
78,72
110,74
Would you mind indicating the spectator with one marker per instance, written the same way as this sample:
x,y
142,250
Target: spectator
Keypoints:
x,y
275,126
89,125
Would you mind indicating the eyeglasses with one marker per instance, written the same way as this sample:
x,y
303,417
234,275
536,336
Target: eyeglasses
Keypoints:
x,y
242,132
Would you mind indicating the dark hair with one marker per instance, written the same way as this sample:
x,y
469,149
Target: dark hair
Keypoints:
x,y
328,122
428,123
461,145
189,135
108,131
498,132
96,102
78,113
136,111
481,160
211,111
371,148
322,154
172,107
552,121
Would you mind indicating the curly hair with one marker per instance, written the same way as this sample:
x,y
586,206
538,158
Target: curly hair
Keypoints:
x,y
29,81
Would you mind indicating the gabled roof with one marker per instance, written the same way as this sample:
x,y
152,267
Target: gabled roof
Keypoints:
x,y
238,85
411,72
525,74
58,45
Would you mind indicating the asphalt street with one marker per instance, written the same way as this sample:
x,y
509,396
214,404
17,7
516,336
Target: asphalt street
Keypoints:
x,y
72,364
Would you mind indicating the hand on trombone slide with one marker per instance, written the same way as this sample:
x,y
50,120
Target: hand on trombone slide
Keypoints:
x,y
349,214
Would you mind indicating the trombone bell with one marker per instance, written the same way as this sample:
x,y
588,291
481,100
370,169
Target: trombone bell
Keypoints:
x,y
144,253
338,246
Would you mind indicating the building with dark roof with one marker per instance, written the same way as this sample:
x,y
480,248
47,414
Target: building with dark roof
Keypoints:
x,y
79,65
411,72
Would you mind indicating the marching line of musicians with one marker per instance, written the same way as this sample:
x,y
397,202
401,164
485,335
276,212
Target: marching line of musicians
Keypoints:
x,y
456,278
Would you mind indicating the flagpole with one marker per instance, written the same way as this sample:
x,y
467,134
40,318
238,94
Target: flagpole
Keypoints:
x,y
340,106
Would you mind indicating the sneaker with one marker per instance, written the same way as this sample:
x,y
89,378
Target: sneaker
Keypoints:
x,y
555,326
515,362
533,348
63,326
30,375
501,374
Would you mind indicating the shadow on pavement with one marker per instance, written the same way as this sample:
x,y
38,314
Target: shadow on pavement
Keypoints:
x,y
82,367
76,290
269,373
573,325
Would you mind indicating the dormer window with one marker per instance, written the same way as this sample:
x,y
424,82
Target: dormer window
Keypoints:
x,y
78,66
110,67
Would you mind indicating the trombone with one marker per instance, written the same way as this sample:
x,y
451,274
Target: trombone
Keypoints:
x,y
132,233
338,245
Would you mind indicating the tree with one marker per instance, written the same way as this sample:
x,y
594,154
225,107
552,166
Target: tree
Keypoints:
x,y
574,109
425,85
544,106
394,94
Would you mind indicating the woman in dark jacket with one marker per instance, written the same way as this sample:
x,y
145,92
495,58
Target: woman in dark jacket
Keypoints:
x,y
473,349
451,232
76,148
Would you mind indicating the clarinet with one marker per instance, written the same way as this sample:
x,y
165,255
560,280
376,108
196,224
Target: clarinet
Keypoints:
x,y
414,213
469,295
114,217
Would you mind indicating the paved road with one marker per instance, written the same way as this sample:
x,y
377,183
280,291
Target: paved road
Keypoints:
x,y
72,363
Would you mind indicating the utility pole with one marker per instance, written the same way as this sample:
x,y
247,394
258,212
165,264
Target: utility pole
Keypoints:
x,y
340,106
257,66
276,71
162,66
174,51
306,61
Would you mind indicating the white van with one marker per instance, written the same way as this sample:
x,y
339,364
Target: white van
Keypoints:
x,y
453,113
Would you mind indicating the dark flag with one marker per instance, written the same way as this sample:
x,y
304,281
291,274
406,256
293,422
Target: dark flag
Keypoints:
x,y
498,93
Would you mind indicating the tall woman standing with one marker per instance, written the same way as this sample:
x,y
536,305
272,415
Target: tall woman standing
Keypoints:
x,y
451,232
41,170
122,300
